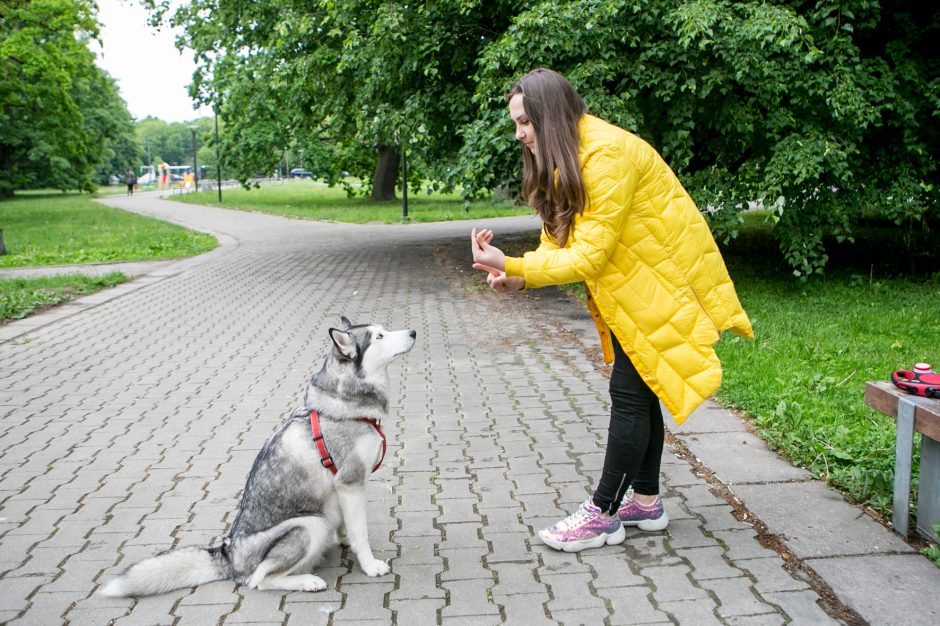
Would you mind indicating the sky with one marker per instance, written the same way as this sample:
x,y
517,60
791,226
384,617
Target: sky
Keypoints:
x,y
151,73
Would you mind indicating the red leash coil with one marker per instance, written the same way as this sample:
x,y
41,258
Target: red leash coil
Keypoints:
x,y
925,385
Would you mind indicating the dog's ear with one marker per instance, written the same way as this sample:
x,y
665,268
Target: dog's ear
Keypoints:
x,y
344,342
346,323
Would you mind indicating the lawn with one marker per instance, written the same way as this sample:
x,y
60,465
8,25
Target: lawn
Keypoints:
x,y
313,200
20,297
63,229
52,228
802,379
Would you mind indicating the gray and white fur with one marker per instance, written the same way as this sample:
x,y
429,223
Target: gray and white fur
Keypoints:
x,y
294,509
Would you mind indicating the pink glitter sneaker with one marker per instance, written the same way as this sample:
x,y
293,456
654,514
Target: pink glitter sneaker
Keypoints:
x,y
645,517
585,528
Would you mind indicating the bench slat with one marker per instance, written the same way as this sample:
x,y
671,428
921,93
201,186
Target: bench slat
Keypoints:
x,y
883,396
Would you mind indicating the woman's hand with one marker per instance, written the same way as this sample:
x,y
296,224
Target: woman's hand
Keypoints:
x,y
498,281
485,254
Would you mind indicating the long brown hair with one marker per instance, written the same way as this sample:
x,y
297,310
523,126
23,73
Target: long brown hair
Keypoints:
x,y
554,108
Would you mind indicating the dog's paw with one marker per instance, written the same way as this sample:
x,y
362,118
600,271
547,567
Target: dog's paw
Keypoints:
x,y
311,582
375,568
295,582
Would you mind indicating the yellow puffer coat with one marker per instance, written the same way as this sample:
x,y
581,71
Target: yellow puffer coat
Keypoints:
x,y
653,272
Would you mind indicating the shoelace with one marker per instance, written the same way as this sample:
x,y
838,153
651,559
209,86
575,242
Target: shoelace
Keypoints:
x,y
575,519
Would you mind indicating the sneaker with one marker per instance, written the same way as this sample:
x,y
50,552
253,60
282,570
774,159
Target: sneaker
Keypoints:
x,y
645,517
585,528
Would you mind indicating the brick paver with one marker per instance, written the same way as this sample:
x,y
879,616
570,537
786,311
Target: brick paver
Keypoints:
x,y
129,428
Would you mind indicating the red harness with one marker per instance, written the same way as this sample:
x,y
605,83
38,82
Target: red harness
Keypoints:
x,y
325,457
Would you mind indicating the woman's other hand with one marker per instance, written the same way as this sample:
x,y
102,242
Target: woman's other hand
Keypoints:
x,y
498,280
485,254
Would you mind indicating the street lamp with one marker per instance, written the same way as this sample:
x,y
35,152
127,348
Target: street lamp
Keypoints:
x,y
404,184
193,129
218,158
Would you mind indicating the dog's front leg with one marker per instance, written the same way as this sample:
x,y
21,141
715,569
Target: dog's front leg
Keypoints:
x,y
352,501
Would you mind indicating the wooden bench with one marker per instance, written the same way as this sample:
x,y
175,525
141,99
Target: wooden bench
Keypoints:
x,y
922,415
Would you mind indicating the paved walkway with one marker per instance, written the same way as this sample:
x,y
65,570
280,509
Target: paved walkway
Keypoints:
x,y
130,420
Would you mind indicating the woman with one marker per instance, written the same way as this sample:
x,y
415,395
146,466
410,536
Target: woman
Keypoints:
x,y
616,217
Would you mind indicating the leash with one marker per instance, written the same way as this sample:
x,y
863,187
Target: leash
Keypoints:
x,y
921,384
325,459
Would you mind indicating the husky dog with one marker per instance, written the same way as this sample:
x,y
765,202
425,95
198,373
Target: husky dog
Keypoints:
x,y
295,507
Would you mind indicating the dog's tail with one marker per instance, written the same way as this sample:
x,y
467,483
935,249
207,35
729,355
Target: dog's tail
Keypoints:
x,y
186,567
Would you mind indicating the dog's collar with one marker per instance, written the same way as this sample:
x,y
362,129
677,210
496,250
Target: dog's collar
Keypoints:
x,y
325,459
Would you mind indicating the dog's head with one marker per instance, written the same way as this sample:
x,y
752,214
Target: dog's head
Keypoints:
x,y
369,346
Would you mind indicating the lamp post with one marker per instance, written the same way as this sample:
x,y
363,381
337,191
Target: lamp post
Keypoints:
x,y
404,184
218,158
193,129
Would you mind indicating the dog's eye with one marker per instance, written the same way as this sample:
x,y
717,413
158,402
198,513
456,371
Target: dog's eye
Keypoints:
x,y
381,336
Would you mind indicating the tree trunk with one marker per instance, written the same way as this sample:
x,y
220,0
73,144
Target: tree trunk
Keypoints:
x,y
386,173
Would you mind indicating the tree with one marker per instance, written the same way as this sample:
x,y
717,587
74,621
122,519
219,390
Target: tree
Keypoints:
x,y
60,115
825,112
164,141
363,77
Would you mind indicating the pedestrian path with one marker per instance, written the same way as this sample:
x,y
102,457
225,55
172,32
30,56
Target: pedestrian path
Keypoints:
x,y
129,426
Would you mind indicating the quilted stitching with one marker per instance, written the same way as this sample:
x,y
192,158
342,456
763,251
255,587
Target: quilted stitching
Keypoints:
x,y
653,271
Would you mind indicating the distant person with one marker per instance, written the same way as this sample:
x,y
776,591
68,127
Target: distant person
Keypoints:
x,y
616,218
131,179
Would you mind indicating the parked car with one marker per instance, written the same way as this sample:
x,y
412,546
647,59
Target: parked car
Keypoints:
x,y
300,173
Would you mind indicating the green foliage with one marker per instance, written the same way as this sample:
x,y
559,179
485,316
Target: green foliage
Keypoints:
x,y
825,112
60,115
43,229
20,297
932,551
172,142
351,76
164,141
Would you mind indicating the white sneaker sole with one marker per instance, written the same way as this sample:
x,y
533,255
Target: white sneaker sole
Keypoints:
x,y
611,539
650,525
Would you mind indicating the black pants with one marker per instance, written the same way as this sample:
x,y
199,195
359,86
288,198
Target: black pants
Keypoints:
x,y
634,438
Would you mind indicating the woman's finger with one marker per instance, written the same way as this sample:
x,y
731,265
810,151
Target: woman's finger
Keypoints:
x,y
486,268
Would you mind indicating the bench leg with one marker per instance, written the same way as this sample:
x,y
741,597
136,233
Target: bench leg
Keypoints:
x,y
903,457
928,493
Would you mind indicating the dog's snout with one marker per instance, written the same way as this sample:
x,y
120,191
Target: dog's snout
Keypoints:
x,y
413,333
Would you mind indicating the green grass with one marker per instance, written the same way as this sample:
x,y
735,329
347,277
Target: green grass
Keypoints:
x,y
20,297
803,378
311,200
932,551
62,229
